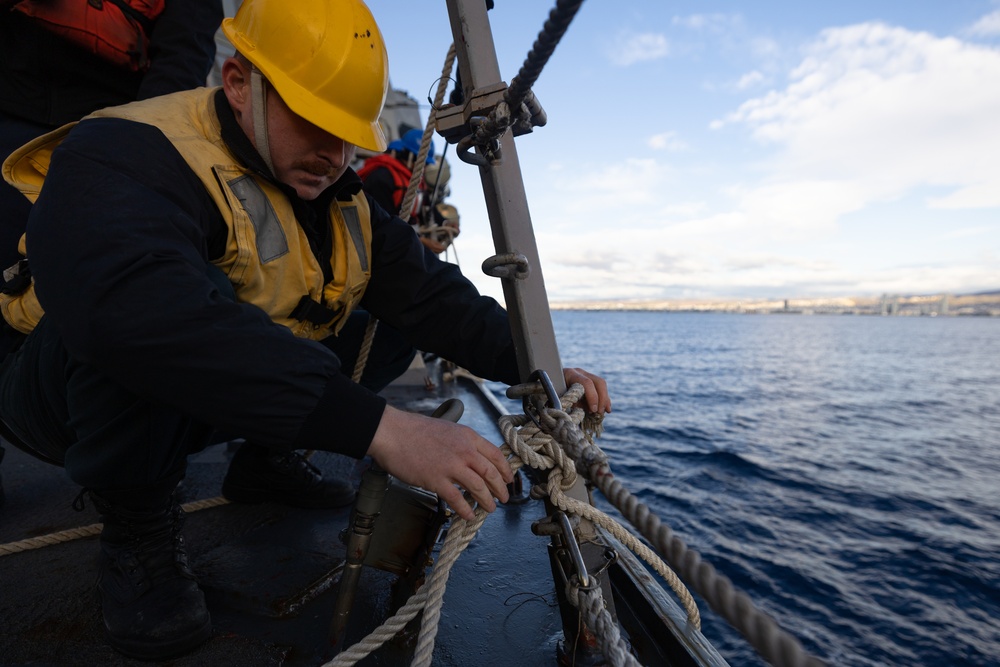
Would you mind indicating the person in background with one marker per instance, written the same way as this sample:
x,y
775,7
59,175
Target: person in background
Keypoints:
x,y
60,61
386,177
194,261
440,220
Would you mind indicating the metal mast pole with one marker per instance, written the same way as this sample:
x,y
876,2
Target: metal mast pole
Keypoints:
x,y
527,302
526,299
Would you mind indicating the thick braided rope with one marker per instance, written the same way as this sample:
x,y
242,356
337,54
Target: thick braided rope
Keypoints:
x,y
760,630
553,30
71,534
774,644
562,438
596,616
524,443
430,595
503,115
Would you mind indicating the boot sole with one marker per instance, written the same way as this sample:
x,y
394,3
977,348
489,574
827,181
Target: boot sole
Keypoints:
x,y
165,650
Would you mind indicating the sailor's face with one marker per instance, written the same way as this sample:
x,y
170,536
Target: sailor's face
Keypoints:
x,y
304,156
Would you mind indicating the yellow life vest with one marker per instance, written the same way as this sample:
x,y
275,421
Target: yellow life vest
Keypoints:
x,y
268,258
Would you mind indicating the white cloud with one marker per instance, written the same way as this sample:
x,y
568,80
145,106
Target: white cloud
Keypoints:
x,y
716,22
870,117
666,141
883,111
749,80
599,190
872,114
988,26
966,232
630,48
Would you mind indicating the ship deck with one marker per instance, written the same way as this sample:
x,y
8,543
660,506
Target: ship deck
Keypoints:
x,y
271,574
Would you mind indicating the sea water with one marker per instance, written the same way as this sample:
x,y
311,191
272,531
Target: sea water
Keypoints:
x,y
842,471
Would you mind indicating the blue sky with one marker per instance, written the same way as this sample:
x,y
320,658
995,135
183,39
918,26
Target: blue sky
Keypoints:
x,y
737,150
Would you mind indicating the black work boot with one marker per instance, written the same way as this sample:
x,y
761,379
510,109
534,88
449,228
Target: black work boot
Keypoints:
x,y
258,474
152,606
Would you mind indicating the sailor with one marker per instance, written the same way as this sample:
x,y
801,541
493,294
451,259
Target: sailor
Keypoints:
x,y
60,61
194,263
386,178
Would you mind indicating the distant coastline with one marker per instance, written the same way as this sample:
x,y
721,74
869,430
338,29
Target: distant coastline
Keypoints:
x,y
982,304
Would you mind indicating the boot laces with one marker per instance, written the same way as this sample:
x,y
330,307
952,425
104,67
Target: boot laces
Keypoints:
x,y
297,465
153,548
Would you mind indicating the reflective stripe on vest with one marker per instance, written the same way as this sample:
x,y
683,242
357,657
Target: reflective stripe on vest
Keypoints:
x,y
268,259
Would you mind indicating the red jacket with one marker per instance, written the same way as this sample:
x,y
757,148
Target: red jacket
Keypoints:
x,y
116,30
389,196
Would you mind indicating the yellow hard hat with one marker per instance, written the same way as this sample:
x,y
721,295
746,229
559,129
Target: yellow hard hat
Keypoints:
x,y
326,59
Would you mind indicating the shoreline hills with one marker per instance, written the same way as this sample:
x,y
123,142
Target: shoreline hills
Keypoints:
x,y
983,304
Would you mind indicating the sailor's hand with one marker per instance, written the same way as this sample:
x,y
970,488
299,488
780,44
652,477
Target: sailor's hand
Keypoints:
x,y
436,454
595,390
435,247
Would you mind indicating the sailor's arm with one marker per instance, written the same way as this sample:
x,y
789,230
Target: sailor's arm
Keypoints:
x,y
181,47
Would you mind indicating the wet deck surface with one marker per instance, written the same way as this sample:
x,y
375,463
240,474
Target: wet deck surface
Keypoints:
x,y
270,573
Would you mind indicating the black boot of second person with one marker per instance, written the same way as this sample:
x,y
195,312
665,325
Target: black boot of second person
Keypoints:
x,y
258,474
152,606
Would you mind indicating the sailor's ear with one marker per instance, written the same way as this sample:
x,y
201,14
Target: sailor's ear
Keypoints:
x,y
236,81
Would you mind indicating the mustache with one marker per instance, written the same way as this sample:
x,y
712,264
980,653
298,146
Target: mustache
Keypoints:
x,y
317,167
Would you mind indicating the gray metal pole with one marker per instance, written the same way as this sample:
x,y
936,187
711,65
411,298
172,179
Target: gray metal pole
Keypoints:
x,y
527,302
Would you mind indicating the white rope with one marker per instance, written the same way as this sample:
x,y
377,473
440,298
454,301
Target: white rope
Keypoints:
x,y
425,141
71,534
429,598
407,204
540,450
564,433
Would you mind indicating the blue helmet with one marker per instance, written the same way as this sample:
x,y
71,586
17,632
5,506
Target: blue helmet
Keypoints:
x,y
411,142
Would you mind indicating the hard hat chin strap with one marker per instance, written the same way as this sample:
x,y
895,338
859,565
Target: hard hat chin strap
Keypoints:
x,y
258,107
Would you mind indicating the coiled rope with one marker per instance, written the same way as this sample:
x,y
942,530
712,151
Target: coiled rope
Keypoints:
x,y
526,444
